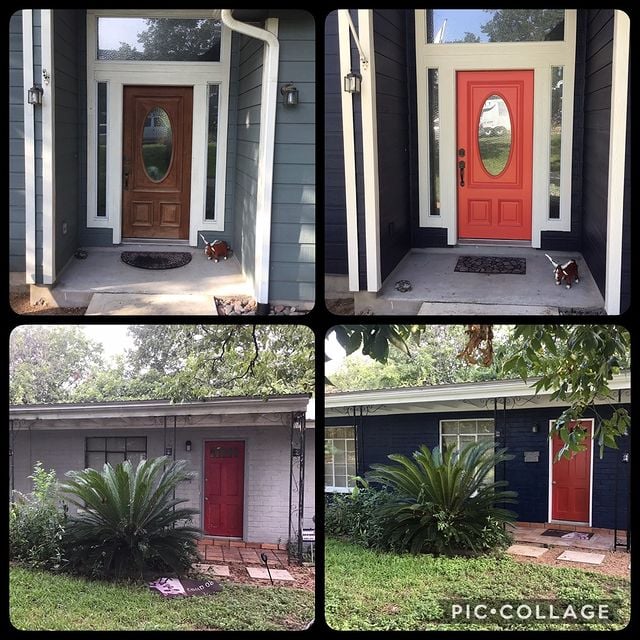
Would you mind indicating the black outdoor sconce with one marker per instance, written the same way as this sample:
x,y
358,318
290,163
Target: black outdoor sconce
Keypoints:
x,y
34,95
187,445
535,428
290,93
352,82
168,451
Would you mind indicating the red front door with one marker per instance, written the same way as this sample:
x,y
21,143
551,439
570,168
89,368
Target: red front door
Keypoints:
x,y
495,154
223,488
571,481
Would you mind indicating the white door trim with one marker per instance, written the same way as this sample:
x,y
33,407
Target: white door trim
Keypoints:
x,y
348,145
48,151
617,150
449,58
29,148
370,151
117,74
550,493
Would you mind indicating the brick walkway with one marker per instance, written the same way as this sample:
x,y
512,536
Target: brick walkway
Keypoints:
x,y
224,551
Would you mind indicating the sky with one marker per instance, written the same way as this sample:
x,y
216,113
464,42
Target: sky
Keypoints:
x,y
459,21
113,31
113,337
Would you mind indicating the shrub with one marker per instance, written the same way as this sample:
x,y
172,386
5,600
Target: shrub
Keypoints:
x,y
442,502
357,516
128,523
37,522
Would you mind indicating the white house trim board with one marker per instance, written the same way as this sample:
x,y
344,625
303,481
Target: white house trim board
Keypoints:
x,y
117,74
29,148
48,150
550,491
450,58
348,145
617,150
370,151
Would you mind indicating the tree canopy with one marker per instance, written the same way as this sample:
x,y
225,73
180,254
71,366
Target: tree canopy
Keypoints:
x,y
517,25
175,362
575,363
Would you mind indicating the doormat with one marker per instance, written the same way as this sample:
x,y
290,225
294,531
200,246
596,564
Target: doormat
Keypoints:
x,y
156,259
491,264
567,535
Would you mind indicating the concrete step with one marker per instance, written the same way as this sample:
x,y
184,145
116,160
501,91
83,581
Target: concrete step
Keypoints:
x,y
474,309
138,304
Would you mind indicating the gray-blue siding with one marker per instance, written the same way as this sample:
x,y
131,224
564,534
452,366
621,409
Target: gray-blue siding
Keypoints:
x,y
292,266
379,436
16,147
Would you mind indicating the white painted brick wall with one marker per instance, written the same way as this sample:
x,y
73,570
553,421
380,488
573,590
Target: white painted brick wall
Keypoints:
x,y
266,513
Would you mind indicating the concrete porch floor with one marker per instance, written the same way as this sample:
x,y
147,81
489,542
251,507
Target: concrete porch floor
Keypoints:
x,y
602,539
104,272
434,281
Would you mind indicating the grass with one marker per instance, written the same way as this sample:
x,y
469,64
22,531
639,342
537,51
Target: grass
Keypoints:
x,y
367,590
44,601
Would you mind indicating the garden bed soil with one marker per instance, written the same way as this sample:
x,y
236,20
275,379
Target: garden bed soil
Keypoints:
x,y
341,306
614,564
20,304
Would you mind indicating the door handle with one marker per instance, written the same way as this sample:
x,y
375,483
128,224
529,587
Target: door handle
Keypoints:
x,y
553,482
125,179
461,166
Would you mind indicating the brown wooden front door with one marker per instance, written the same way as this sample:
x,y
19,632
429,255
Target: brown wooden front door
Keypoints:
x,y
156,162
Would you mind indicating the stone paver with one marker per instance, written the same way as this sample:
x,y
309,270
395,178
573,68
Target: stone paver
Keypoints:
x,y
231,554
262,574
527,551
582,556
249,555
219,570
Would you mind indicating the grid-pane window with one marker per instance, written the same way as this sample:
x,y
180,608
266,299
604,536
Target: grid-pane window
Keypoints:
x,y
114,450
459,433
339,459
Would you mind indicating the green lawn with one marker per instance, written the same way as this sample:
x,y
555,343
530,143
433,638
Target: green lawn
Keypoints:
x,y
43,601
366,590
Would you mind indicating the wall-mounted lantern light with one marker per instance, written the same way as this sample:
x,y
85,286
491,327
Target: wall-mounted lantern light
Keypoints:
x,y
625,457
290,94
187,445
352,82
535,428
34,95
168,451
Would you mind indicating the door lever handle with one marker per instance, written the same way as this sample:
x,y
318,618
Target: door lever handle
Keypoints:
x,y
126,179
461,166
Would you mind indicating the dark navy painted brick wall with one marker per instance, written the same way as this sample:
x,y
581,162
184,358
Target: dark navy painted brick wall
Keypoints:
x,y
382,435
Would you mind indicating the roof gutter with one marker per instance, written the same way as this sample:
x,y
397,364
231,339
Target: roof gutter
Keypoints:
x,y
268,104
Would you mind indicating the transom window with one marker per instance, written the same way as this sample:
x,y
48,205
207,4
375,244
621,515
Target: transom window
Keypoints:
x,y
99,451
455,26
159,39
339,459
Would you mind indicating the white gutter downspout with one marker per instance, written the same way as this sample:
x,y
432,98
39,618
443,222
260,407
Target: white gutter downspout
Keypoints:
x,y
268,105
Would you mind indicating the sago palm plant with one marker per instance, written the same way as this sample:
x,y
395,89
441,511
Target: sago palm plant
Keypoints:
x,y
128,520
443,502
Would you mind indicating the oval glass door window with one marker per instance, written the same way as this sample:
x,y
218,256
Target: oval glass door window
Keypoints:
x,y
494,135
157,144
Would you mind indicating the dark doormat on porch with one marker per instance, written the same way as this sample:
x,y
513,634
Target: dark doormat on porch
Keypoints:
x,y
491,264
156,259
567,535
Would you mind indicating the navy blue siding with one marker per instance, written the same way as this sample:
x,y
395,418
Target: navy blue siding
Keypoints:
x,y
378,436
597,114
392,111
335,229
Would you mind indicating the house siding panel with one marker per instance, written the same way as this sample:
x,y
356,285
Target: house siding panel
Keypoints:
x,y
292,273
392,112
334,186
380,435
266,505
67,28
597,111
16,147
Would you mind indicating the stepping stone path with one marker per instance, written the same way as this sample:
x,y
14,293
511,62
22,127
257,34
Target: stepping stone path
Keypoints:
x,y
263,574
582,556
527,551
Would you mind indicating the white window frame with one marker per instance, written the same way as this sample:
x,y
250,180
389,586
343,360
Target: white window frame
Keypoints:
x,y
450,58
476,420
333,488
117,74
